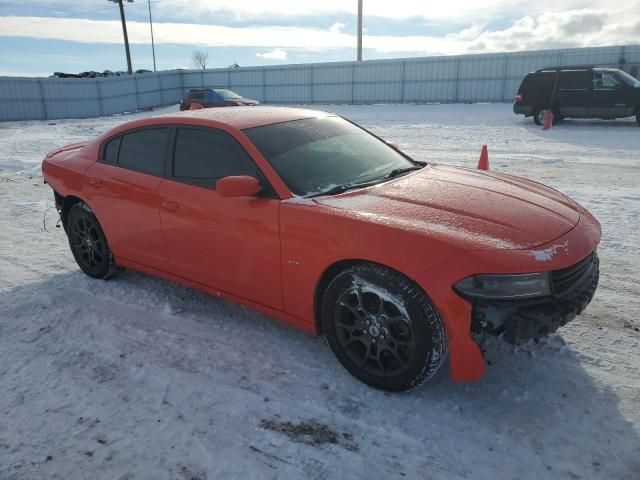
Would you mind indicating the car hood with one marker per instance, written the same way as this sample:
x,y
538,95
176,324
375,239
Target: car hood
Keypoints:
x,y
475,208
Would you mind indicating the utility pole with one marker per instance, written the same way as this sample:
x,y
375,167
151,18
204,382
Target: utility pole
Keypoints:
x,y
359,30
124,31
153,47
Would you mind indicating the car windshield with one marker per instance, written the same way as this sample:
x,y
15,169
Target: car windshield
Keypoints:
x,y
318,155
628,79
227,94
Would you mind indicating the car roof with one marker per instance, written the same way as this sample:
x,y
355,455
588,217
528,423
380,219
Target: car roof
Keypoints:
x,y
575,67
203,89
247,117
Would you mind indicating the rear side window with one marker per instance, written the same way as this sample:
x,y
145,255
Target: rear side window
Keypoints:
x,y
202,156
574,80
111,150
538,82
196,95
144,150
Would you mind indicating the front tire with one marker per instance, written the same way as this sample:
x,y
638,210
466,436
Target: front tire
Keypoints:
x,y
382,328
88,243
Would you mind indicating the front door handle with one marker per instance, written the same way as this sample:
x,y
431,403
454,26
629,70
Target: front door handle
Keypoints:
x,y
169,205
94,182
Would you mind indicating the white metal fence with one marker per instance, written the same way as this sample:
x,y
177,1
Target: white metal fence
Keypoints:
x,y
462,78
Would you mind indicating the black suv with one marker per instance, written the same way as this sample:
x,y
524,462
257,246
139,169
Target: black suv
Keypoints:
x,y
578,92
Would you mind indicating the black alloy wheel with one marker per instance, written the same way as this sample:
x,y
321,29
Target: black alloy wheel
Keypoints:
x,y
382,327
88,242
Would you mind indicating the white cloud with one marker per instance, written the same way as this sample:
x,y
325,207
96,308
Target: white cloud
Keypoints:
x,y
275,54
337,27
584,27
575,28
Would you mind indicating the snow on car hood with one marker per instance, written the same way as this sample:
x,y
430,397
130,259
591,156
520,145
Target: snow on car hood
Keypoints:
x,y
479,209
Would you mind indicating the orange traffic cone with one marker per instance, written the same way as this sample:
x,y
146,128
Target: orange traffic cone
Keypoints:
x,y
548,120
195,106
483,164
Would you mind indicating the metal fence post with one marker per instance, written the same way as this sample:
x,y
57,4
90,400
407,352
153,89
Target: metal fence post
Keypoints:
x,y
504,77
99,94
161,89
311,79
44,101
135,82
402,82
229,78
353,82
457,78
264,85
202,78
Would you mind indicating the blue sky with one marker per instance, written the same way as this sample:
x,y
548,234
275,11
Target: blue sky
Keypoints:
x,y
38,37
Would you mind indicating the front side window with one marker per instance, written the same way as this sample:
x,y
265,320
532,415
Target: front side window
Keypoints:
x,y
605,81
315,155
144,150
227,94
204,155
211,97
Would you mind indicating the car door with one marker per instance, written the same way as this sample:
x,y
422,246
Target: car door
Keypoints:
x,y
574,92
231,244
196,96
123,193
610,96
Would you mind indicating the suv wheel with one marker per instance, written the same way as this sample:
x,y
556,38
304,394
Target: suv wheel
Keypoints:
x,y
382,328
540,113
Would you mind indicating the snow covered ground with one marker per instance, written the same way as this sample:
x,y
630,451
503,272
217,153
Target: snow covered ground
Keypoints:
x,y
138,378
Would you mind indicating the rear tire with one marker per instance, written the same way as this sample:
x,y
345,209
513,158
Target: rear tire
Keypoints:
x,y
88,243
539,114
382,328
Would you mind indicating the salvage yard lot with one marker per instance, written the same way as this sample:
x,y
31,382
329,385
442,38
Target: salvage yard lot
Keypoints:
x,y
139,378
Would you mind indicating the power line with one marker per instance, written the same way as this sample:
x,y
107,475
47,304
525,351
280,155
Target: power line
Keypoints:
x,y
53,19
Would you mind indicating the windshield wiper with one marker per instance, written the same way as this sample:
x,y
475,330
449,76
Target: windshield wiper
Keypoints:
x,y
399,171
336,190
342,188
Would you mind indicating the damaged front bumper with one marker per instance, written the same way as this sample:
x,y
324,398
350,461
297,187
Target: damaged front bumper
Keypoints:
x,y
521,320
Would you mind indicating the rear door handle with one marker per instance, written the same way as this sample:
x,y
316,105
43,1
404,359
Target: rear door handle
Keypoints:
x,y
94,182
169,205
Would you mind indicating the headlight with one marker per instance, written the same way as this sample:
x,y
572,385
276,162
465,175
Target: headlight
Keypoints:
x,y
503,287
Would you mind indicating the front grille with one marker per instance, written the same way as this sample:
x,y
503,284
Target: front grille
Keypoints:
x,y
574,277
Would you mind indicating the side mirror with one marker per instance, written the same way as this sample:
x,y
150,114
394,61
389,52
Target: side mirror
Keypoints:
x,y
238,186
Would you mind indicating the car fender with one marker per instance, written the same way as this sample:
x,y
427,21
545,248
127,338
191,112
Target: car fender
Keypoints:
x,y
316,237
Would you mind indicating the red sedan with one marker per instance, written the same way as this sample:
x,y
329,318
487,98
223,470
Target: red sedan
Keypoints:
x,y
308,217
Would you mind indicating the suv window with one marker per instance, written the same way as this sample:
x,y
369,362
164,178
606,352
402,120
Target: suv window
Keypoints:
x,y
143,150
605,81
203,155
574,80
199,95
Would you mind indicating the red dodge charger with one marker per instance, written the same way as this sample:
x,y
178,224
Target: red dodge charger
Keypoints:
x,y
306,216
